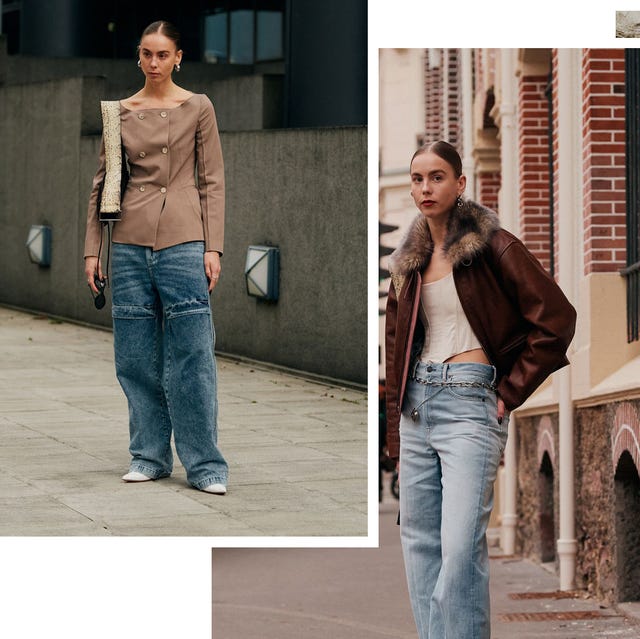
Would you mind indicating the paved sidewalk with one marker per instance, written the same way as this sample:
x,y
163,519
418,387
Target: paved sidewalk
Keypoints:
x,y
361,594
526,604
297,449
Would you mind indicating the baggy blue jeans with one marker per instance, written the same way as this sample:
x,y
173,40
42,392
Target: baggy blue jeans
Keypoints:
x,y
450,450
165,363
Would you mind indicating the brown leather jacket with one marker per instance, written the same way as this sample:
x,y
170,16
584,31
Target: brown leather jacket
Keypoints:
x,y
519,314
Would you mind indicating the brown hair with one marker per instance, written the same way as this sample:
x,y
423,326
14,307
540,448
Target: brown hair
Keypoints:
x,y
443,150
166,29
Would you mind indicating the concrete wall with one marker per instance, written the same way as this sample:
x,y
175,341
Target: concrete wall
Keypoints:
x,y
303,190
40,182
306,192
243,101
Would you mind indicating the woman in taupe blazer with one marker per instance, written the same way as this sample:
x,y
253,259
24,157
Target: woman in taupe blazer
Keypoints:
x,y
165,263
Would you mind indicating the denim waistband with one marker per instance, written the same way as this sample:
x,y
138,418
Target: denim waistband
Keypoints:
x,y
457,373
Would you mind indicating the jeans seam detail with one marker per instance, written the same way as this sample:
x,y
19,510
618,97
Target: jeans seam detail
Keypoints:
x,y
193,311
162,396
475,549
154,473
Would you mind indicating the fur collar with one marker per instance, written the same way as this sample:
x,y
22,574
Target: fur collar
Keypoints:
x,y
470,228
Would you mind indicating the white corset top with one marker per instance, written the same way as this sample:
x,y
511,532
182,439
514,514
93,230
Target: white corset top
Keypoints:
x,y
446,328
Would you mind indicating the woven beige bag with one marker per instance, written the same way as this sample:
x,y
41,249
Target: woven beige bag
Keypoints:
x,y
115,177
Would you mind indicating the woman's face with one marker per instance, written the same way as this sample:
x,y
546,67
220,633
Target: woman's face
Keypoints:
x,y
158,55
434,186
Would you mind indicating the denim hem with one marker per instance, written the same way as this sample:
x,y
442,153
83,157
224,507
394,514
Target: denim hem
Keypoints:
x,y
148,471
208,481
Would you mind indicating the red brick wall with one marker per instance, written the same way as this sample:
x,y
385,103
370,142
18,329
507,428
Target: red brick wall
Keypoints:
x,y
435,126
433,100
554,91
488,186
603,159
453,125
533,123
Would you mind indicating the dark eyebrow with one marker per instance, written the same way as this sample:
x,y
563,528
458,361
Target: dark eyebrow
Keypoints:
x,y
149,50
434,172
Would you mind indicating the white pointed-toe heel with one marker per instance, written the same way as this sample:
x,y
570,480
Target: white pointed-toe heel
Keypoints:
x,y
216,489
134,476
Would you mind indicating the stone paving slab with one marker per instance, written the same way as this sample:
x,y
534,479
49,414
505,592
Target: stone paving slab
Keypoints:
x,y
293,445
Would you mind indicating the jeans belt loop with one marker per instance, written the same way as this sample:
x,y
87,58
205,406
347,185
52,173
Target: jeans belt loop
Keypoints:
x,y
414,368
445,370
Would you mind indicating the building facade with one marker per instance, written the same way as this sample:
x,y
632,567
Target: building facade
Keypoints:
x,y
550,139
316,52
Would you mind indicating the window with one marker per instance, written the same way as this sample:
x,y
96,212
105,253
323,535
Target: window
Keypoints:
x,y
10,21
632,270
215,37
244,31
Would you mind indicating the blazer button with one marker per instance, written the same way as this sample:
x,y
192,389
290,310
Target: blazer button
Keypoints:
x,y
142,154
165,149
163,190
141,116
163,114
142,188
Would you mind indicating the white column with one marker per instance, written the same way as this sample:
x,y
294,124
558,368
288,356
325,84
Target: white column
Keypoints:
x,y
468,165
508,197
509,497
569,205
508,205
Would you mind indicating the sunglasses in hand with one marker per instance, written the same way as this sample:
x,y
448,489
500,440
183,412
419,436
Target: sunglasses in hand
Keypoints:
x,y
99,300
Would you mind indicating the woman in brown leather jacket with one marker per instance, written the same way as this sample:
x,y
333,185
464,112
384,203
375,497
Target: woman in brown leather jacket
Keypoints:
x,y
474,325
166,262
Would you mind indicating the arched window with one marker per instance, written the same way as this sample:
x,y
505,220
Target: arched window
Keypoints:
x,y
627,511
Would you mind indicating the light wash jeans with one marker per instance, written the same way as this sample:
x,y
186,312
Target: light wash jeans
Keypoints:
x,y
163,341
450,449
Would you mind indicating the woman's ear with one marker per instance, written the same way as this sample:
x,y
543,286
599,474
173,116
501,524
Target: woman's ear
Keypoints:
x,y
462,184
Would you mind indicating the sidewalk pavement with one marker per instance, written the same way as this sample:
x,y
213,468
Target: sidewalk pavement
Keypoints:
x,y
297,449
274,593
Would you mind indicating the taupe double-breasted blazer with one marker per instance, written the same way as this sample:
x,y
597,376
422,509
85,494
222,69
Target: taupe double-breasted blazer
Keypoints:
x,y
175,192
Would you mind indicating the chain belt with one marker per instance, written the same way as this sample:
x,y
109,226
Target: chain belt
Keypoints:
x,y
425,382
414,413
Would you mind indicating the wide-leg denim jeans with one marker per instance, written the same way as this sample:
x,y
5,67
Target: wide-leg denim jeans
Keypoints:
x,y
163,341
450,450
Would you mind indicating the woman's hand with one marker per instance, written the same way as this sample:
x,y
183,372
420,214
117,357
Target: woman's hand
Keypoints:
x,y
212,268
91,267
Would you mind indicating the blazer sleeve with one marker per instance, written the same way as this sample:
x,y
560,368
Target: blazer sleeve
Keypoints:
x,y
210,176
94,228
551,319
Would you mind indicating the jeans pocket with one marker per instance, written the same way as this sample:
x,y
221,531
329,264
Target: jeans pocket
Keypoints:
x,y
469,393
